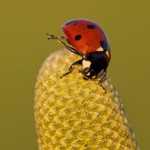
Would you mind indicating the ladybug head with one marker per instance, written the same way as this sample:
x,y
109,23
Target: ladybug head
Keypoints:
x,y
86,36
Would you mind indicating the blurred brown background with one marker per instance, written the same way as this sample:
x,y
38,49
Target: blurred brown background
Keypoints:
x,y
24,46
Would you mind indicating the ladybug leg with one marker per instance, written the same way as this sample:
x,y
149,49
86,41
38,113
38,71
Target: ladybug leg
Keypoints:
x,y
88,74
71,68
102,78
60,40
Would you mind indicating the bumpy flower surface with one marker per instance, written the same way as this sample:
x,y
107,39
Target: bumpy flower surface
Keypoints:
x,y
76,114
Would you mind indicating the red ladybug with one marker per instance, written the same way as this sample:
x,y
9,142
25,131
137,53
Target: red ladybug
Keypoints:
x,y
87,39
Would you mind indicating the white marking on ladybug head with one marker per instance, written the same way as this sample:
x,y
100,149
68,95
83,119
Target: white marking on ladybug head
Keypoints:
x,y
100,49
86,64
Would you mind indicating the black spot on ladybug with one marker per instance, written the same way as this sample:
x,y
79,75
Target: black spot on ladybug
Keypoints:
x,y
90,26
104,45
77,37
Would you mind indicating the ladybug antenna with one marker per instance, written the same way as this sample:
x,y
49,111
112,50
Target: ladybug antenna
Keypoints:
x,y
60,40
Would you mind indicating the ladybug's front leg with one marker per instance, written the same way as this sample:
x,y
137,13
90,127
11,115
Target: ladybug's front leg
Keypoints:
x,y
71,68
60,40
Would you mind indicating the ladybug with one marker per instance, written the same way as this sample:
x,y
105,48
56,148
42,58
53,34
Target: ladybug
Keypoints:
x,y
88,40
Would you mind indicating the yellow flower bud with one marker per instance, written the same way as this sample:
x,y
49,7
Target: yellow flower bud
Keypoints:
x,y
76,114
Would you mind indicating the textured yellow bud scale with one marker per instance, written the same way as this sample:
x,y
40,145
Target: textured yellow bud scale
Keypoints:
x,y
76,114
